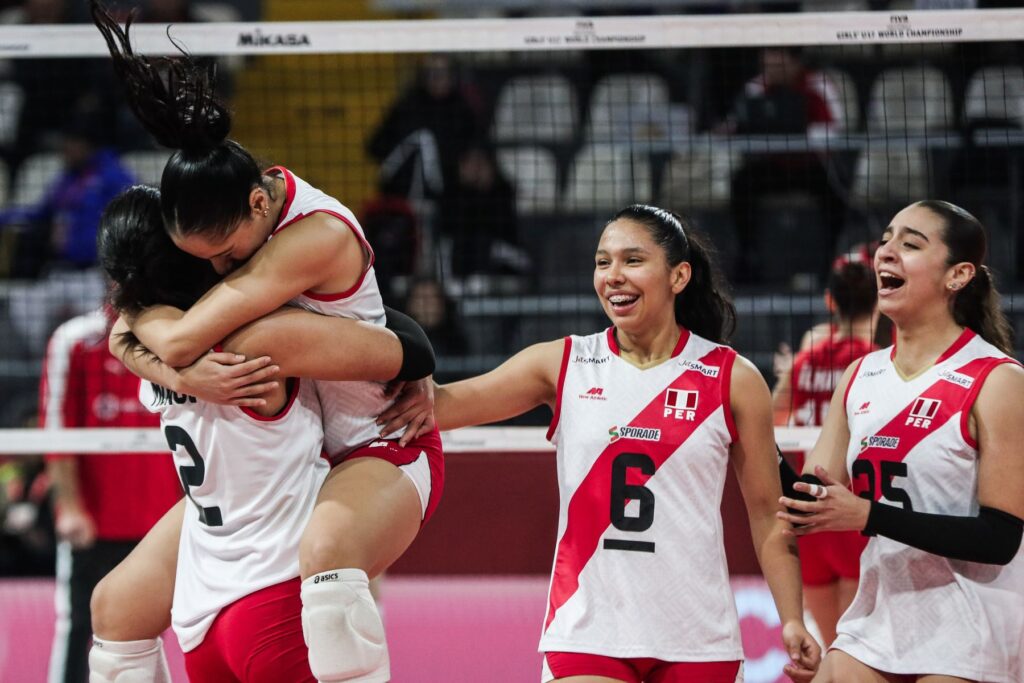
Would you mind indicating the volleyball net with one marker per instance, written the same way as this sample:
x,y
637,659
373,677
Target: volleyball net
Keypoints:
x,y
484,156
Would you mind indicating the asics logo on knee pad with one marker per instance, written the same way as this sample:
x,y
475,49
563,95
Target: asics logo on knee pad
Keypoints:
x,y
323,578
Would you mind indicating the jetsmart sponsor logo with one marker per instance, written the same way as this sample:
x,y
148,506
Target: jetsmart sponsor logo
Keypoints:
x,y
878,441
706,370
591,361
956,378
872,373
258,38
639,433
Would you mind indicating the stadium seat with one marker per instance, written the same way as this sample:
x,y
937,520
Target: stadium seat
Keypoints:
x,y
605,178
635,107
146,167
890,177
913,99
995,93
700,178
536,109
35,175
846,90
11,99
533,173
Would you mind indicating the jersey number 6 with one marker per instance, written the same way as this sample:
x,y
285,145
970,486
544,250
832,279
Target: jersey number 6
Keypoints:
x,y
194,474
622,492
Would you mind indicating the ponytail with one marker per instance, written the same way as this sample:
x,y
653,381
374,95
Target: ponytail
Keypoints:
x,y
702,307
206,183
978,308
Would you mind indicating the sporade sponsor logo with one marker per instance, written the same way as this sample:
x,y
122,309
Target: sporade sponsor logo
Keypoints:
x,y
260,39
639,433
878,441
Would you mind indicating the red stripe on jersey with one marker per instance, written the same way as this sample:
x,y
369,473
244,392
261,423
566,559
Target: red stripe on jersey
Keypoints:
x,y
558,390
903,432
730,420
293,392
849,385
583,528
335,296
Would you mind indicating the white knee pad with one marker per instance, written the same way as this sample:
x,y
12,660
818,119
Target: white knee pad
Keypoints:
x,y
129,661
343,629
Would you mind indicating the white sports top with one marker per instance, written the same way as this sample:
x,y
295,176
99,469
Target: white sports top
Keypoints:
x,y
916,612
349,408
640,568
252,482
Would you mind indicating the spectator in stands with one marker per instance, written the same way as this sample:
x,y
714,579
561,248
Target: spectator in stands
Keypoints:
x,y
51,86
60,230
478,216
103,504
420,139
784,98
829,563
435,311
57,237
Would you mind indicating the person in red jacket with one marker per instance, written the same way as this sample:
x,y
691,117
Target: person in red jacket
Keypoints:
x,y
104,504
829,563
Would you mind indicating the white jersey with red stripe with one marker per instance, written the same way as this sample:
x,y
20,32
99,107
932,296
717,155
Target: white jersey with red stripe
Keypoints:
x,y
251,483
640,566
910,446
350,409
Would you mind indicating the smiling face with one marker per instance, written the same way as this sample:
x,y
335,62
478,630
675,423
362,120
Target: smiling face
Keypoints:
x,y
911,265
633,279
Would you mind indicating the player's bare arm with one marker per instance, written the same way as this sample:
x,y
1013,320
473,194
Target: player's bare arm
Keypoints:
x,y
998,426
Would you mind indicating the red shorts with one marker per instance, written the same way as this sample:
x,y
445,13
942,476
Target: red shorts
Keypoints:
x,y
422,461
827,557
637,669
257,639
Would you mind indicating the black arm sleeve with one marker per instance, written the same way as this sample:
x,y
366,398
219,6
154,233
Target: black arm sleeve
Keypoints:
x,y
786,474
417,353
993,537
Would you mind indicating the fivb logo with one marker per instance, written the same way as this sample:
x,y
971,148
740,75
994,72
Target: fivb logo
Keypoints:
x,y
681,404
923,412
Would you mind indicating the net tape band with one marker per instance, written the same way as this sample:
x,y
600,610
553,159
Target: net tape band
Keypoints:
x,y
531,34
469,440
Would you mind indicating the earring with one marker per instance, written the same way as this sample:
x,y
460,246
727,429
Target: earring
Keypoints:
x,y
266,212
954,286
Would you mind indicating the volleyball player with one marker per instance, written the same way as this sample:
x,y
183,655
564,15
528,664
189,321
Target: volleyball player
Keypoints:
x,y
252,475
829,563
647,417
929,431
283,241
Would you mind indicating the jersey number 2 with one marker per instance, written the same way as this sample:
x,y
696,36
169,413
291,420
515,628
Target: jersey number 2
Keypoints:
x,y
887,471
194,474
623,492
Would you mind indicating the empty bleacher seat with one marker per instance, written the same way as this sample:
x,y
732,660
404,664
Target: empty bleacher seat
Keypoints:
x,y
34,177
635,107
890,176
995,93
607,177
534,175
912,99
699,178
146,167
536,109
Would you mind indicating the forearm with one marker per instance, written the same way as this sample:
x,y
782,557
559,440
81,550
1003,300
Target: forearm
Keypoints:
x,y
140,362
63,474
164,331
780,565
991,537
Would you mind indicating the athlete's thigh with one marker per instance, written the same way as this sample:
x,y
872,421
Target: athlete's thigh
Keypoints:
x,y
839,667
367,512
938,678
576,667
133,602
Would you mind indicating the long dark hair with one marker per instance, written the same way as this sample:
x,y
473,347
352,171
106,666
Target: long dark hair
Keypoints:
x,y
703,307
206,183
144,266
976,306
853,289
